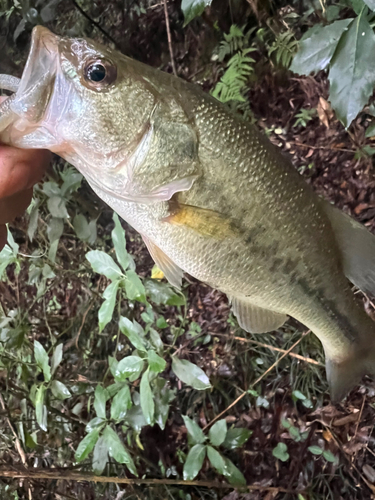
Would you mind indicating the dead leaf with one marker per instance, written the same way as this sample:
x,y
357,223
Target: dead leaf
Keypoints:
x,y
324,110
352,417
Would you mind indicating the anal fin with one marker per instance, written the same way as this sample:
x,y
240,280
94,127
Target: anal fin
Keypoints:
x,y
172,272
255,319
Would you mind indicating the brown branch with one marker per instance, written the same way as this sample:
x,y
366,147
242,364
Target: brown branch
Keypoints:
x,y
256,381
271,347
169,38
94,23
68,475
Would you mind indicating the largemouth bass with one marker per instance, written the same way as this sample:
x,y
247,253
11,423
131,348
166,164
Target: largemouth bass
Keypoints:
x,y
209,194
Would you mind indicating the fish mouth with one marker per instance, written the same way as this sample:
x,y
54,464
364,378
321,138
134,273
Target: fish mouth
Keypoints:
x,y
37,82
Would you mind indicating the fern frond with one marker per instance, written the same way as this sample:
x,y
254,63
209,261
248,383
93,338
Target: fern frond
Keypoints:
x,y
234,80
284,48
233,41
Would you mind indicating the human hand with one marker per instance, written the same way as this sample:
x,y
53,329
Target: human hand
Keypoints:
x,y
20,169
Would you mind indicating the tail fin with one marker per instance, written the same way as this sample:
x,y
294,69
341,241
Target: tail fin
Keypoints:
x,y
343,376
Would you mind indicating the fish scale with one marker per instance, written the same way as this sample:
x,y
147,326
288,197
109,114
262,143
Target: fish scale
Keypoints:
x,y
209,193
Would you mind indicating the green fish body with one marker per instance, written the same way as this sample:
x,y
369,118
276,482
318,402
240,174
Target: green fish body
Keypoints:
x,y
209,194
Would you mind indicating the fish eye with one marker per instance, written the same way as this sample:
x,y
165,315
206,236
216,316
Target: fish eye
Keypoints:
x,y
100,74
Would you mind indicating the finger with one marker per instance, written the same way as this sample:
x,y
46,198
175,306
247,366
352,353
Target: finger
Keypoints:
x,y
14,205
21,168
3,236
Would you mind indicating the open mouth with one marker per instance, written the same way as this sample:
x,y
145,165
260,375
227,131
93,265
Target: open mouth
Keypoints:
x,y
28,109
36,84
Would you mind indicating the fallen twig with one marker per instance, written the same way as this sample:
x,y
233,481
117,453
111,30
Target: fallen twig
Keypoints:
x,y
330,148
68,475
271,347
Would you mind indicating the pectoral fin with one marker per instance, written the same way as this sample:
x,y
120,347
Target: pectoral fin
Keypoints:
x,y
172,272
255,319
357,247
203,221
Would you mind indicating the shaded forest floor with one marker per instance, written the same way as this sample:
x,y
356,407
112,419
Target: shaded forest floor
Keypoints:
x,y
289,404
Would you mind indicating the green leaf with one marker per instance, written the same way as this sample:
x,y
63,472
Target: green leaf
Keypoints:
x,y
194,461
133,331
195,433
317,47
56,358
233,474
121,403
155,362
81,227
131,365
135,418
329,456
86,445
33,222
370,131
193,8
298,395
161,323
113,363
113,389
55,229
40,407
162,293
117,450
100,457
352,73
236,437
106,309
147,401
217,461
95,423
281,452
315,450
57,208
51,188
100,401
156,341
119,242
41,358
102,263
134,287
163,396
370,4
72,181
190,374
218,433
13,245
59,390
